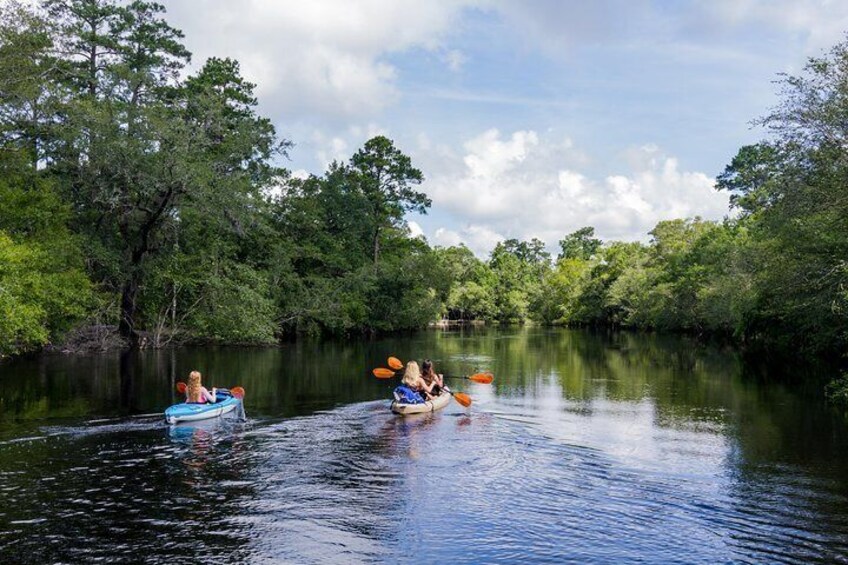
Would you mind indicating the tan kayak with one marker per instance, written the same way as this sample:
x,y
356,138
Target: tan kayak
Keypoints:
x,y
430,406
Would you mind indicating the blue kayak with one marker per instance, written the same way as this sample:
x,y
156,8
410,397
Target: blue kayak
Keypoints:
x,y
186,412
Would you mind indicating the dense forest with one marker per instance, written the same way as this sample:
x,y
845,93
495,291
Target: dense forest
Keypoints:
x,y
142,202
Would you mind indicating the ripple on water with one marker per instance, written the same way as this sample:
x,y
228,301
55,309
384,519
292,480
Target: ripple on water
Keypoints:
x,y
517,483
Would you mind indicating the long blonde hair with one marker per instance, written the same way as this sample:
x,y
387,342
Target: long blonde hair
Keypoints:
x,y
193,388
412,374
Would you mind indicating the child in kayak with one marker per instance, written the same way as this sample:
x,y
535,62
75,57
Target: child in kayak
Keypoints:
x,y
431,377
412,379
197,393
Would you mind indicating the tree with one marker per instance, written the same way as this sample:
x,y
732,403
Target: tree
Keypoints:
x,y
795,185
750,177
592,305
555,299
138,144
518,268
386,177
469,294
24,58
43,286
580,244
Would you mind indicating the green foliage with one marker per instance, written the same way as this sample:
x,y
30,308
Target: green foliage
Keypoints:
x,y
837,389
471,300
39,295
470,285
43,287
750,176
799,212
22,320
131,144
518,268
555,300
404,292
580,244
236,307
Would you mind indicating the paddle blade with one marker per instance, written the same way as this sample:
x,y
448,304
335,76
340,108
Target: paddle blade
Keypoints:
x,y
181,387
482,378
237,391
462,398
381,373
395,363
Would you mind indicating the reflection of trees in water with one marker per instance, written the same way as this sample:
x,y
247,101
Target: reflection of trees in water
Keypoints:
x,y
786,446
296,378
688,382
61,386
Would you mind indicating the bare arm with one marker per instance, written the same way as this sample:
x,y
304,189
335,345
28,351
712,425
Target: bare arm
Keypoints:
x,y
210,397
428,388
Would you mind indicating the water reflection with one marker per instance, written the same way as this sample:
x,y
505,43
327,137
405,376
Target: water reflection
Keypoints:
x,y
588,447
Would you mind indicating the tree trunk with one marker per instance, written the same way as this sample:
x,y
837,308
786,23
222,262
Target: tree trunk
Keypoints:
x,y
376,245
129,294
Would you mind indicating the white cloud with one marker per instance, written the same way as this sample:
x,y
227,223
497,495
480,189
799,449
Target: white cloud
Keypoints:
x,y
325,58
342,144
415,229
489,156
525,186
820,22
330,59
479,239
556,27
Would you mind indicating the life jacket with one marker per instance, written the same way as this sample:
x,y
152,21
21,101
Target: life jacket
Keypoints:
x,y
405,395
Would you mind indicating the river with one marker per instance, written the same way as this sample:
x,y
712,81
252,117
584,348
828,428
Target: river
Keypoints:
x,y
588,447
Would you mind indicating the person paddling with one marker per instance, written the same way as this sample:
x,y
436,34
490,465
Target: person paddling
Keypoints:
x,y
197,393
432,378
412,379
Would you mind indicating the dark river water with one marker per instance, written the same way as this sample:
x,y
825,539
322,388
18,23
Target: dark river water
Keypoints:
x,y
587,448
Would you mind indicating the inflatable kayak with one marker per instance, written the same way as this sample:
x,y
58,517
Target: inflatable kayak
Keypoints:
x,y
190,412
430,406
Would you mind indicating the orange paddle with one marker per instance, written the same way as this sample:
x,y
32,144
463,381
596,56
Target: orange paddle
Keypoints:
x,y
460,397
482,378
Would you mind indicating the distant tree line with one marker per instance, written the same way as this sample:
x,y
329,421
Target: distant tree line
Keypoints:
x,y
139,197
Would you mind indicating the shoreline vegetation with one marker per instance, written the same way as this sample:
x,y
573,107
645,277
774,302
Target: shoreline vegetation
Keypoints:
x,y
144,206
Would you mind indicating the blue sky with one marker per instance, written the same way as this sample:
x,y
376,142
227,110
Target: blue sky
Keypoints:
x,y
528,118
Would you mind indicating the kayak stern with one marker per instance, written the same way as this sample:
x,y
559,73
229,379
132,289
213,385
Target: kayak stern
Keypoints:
x,y
185,412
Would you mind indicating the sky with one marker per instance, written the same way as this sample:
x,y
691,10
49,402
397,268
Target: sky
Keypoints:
x,y
528,118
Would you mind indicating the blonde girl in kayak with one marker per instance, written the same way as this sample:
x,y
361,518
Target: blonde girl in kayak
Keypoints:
x,y
197,393
412,379
431,377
